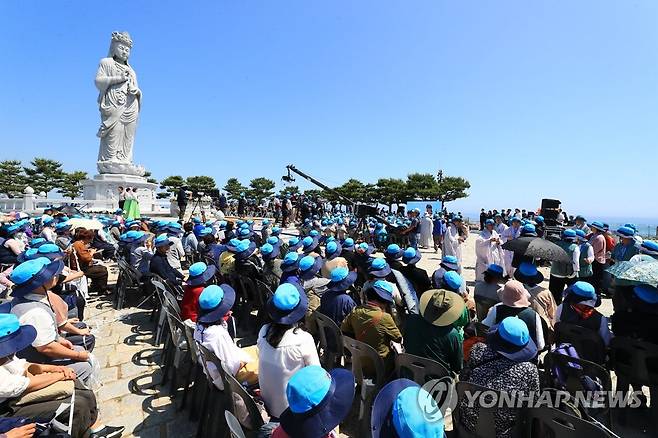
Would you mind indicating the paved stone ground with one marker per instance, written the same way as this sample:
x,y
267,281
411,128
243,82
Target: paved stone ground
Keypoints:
x,y
130,395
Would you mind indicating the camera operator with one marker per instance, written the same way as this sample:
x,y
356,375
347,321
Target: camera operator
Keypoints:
x,y
182,198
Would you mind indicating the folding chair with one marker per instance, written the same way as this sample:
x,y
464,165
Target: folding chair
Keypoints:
x,y
240,403
177,351
215,400
485,426
550,422
588,343
369,386
419,369
331,341
234,425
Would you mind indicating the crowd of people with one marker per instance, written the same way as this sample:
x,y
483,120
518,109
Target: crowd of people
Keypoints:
x,y
371,285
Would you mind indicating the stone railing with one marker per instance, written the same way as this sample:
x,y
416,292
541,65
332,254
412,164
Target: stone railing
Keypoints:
x,y
32,203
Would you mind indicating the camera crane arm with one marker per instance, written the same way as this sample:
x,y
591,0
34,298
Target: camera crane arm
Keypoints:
x,y
289,178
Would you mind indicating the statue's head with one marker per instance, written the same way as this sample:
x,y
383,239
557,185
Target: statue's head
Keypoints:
x,y
120,46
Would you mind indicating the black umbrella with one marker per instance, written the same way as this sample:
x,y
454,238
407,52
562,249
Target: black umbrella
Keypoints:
x,y
538,248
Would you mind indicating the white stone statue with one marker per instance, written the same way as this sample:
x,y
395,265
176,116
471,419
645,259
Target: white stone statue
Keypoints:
x,y
119,102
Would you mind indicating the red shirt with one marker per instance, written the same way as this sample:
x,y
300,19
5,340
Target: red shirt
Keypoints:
x,y
189,306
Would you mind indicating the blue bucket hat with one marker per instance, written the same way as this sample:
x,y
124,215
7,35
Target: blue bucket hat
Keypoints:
x,y
135,237
309,244
62,227
205,231
489,222
37,242
200,273
411,256
529,230
384,290
318,401
32,274
314,233
309,266
269,251
244,249
288,304
582,292
274,241
348,244
12,229
162,240
626,232
495,270
294,244
597,226
290,262
393,252
266,222
333,250
539,219
402,408
196,220
511,339
28,254
452,281
364,249
379,268
527,273
649,247
244,233
275,231
215,302
50,251
569,234
646,293
341,279
450,263
13,336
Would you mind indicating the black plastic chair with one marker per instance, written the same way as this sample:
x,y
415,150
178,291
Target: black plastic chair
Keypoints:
x,y
419,369
574,371
215,400
588,343
369,385
331,341
200,386
128,281
240,403
485,426
634,361
234,425
179,352
549,422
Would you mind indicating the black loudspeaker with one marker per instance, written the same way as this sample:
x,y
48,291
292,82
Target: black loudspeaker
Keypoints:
x,y
549,209
363,210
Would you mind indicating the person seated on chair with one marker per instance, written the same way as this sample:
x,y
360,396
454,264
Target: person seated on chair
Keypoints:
x,y
283,345
402,409
578,309
515,301
318,402
417,276
138,245
448,263
160,264
215,303
314,286
541,299
373,324
488,288
336,303
271,265
189,241
97,273
432,334
453,282
640,319
503,363
35,391
201,275
32,281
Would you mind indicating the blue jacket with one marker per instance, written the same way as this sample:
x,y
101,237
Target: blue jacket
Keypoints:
x,y
336,305
160,265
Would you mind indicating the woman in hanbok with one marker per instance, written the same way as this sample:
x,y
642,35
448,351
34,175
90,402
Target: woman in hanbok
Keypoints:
x,y
487,250
426,225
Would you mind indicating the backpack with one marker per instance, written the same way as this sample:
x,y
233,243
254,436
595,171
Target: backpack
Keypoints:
x,y
560,378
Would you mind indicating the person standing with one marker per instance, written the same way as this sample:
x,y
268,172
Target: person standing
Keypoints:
x,y
565,273
426,226
181,200
487,250
453,239
438,230
511,233
122,197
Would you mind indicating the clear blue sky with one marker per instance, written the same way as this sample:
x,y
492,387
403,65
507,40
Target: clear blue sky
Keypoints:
x,y
525,99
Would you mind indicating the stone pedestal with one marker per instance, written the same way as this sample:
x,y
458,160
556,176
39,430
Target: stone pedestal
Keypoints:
x,y
103,192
